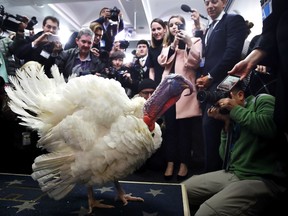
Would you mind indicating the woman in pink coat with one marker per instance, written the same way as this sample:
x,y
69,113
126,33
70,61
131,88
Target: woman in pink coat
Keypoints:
x,y
182,55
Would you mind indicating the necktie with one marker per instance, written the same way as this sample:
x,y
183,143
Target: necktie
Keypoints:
x,y
210,29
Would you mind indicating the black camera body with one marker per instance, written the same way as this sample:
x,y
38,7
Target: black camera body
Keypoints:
x,y
115,74
212,97
222,91
114,13
124,44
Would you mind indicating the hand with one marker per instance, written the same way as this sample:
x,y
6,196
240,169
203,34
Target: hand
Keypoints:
x,y
182,35
57,47
241,69
23,25
214,112
195,16
203,82
244,67
95,51
227,103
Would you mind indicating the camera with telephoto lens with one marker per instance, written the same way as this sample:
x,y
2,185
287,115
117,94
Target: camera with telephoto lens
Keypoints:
x,y
7,24
222,91
114,14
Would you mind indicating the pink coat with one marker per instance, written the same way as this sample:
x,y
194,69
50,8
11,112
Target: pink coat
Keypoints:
x,y
186,64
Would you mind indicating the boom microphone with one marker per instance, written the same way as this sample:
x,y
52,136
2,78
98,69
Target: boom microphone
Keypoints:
x,y
186,8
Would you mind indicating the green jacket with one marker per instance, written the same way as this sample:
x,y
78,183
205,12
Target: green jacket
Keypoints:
x,y
258,152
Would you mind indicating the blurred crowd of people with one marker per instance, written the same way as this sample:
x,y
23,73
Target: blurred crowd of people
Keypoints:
x,y
226,139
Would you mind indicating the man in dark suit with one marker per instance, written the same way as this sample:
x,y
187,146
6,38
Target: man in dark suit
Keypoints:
x,y
42,47
271,50
222,50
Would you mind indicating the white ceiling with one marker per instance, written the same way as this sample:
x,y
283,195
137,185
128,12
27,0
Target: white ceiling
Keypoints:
x,y
137,13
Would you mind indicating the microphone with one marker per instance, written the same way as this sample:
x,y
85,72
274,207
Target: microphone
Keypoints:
x,y
186,8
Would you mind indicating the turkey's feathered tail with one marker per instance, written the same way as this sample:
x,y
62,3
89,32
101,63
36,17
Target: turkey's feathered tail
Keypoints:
x,y
29,87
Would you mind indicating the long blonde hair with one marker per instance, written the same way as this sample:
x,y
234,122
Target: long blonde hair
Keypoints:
x,y
169,37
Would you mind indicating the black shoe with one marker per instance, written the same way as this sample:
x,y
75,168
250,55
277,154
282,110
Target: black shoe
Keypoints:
x,y
182,178
168,178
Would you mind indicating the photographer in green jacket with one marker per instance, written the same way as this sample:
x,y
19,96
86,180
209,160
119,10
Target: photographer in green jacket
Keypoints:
x,y
254,173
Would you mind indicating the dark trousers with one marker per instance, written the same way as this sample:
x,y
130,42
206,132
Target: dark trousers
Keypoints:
x,y
212,138
184,140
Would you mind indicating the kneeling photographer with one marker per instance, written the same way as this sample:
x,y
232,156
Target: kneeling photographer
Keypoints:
x,y
254,162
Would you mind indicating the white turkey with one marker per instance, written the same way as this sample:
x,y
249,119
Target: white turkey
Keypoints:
x,y
93,133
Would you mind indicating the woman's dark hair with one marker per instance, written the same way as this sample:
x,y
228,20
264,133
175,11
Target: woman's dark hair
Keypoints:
x,y
163,24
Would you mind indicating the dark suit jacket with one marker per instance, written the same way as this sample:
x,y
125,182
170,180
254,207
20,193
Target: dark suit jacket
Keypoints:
x,y
22,48
224,47
110,32
274,40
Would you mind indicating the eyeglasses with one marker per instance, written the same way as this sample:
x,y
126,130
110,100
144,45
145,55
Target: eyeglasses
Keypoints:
x,y
206,2
146,92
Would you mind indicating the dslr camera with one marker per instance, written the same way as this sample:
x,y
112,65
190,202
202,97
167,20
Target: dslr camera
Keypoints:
x,y
124,44
222,91
114,13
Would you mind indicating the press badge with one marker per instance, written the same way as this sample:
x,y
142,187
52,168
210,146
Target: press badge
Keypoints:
x,y
266,8
45,54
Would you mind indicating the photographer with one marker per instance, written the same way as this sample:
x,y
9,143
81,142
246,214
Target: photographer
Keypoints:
x,y
80,60
112,23
116,70
42,47
254,171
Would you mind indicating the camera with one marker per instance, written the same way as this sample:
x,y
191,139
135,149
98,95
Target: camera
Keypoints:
x,y
114,14
124,44
7,24
222,91
115,74
103,54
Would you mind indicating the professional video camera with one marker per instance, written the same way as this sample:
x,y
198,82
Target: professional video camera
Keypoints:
x,y
222,91
7,24
114,14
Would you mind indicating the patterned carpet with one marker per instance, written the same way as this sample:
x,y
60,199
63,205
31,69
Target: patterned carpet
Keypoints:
x,y
21,195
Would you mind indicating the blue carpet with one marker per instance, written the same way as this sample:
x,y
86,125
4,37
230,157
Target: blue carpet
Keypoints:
x,y
21,195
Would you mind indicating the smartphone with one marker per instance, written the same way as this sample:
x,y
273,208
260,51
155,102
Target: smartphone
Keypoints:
x,y
53,38
228,83
181,44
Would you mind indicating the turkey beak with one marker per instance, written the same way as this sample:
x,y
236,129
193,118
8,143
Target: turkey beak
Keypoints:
x,y
189,86
167,93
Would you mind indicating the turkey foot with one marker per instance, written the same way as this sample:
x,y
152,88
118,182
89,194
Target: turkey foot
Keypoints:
x,y
95,203
125,197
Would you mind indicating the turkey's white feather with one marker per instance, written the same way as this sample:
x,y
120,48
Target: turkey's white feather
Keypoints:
x,y
93,131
